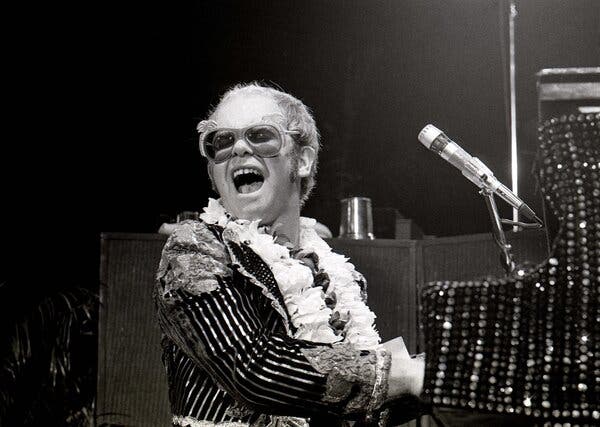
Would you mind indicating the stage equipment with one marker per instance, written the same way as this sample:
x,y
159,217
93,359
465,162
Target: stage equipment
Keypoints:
x,y
471,167
479,174
530,345
565,90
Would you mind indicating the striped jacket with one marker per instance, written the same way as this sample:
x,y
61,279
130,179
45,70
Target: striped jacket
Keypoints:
x,y
228,356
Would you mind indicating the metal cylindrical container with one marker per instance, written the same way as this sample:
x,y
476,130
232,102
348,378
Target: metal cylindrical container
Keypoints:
x,y
356,220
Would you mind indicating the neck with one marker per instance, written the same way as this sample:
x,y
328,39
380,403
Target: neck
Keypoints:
x,y
287,225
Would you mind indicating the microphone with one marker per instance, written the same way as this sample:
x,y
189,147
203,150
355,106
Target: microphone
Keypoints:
x,y
472,168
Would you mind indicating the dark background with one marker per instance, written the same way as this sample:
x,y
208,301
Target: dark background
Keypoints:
x,y
109,136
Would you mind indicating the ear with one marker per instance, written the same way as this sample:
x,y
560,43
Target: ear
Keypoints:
x,y
306,159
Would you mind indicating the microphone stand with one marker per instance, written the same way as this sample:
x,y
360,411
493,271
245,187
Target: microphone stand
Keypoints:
x,y
506,258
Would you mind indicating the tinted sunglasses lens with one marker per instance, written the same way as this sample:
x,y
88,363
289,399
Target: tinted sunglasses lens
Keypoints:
x,y
218,144
265,140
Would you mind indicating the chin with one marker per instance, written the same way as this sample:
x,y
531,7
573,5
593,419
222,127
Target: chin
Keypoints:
x,y
250,208
264,204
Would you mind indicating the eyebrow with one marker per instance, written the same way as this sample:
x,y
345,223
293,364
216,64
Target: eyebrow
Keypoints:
x,y
206,125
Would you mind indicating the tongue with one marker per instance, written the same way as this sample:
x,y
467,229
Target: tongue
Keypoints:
x,y
250,188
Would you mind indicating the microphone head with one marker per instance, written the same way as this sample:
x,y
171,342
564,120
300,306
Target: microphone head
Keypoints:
x,y
428,134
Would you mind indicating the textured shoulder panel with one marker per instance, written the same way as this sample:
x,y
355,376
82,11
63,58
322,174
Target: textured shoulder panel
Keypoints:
x,y
192,258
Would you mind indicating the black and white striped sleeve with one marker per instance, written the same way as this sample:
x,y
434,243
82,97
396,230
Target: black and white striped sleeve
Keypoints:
x,y
212,315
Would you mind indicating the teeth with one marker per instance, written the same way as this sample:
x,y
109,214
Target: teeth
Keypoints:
x,y
245,171
247,180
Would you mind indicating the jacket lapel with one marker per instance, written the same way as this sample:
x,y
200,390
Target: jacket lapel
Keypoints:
x,y
257,271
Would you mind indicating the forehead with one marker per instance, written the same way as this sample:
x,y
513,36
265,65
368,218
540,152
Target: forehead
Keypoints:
x,y
242,110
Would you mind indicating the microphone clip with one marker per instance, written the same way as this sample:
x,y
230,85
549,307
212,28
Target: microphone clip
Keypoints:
x,y
506,257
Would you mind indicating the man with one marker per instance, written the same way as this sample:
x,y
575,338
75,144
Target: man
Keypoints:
x,y
263,324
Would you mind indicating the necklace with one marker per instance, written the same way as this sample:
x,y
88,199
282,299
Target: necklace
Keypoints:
x,y
320,288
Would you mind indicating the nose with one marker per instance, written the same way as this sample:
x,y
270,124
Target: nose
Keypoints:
x,y
241,147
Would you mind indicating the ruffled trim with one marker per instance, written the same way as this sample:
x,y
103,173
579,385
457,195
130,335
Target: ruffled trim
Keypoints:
x,y
263,421
380,388
346,284
278,421
194,422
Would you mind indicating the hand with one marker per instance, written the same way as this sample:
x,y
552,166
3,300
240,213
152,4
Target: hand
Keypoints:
x,y
167,229
406,374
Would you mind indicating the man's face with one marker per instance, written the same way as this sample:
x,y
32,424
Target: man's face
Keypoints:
x,y
252,187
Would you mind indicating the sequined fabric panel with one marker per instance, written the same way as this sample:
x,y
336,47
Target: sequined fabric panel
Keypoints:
x,y
530,344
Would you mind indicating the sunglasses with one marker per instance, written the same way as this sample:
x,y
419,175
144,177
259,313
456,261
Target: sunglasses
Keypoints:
x,y
264,139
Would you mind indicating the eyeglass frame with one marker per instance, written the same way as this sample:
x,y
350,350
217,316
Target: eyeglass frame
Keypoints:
x,y
207,126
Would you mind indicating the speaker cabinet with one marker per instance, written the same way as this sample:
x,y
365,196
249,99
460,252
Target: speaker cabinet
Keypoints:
x,y
567,91
132,385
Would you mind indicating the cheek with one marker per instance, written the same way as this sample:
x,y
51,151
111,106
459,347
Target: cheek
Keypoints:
x,y
219,178
284,171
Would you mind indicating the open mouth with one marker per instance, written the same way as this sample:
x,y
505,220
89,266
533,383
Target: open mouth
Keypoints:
x,y
247,180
